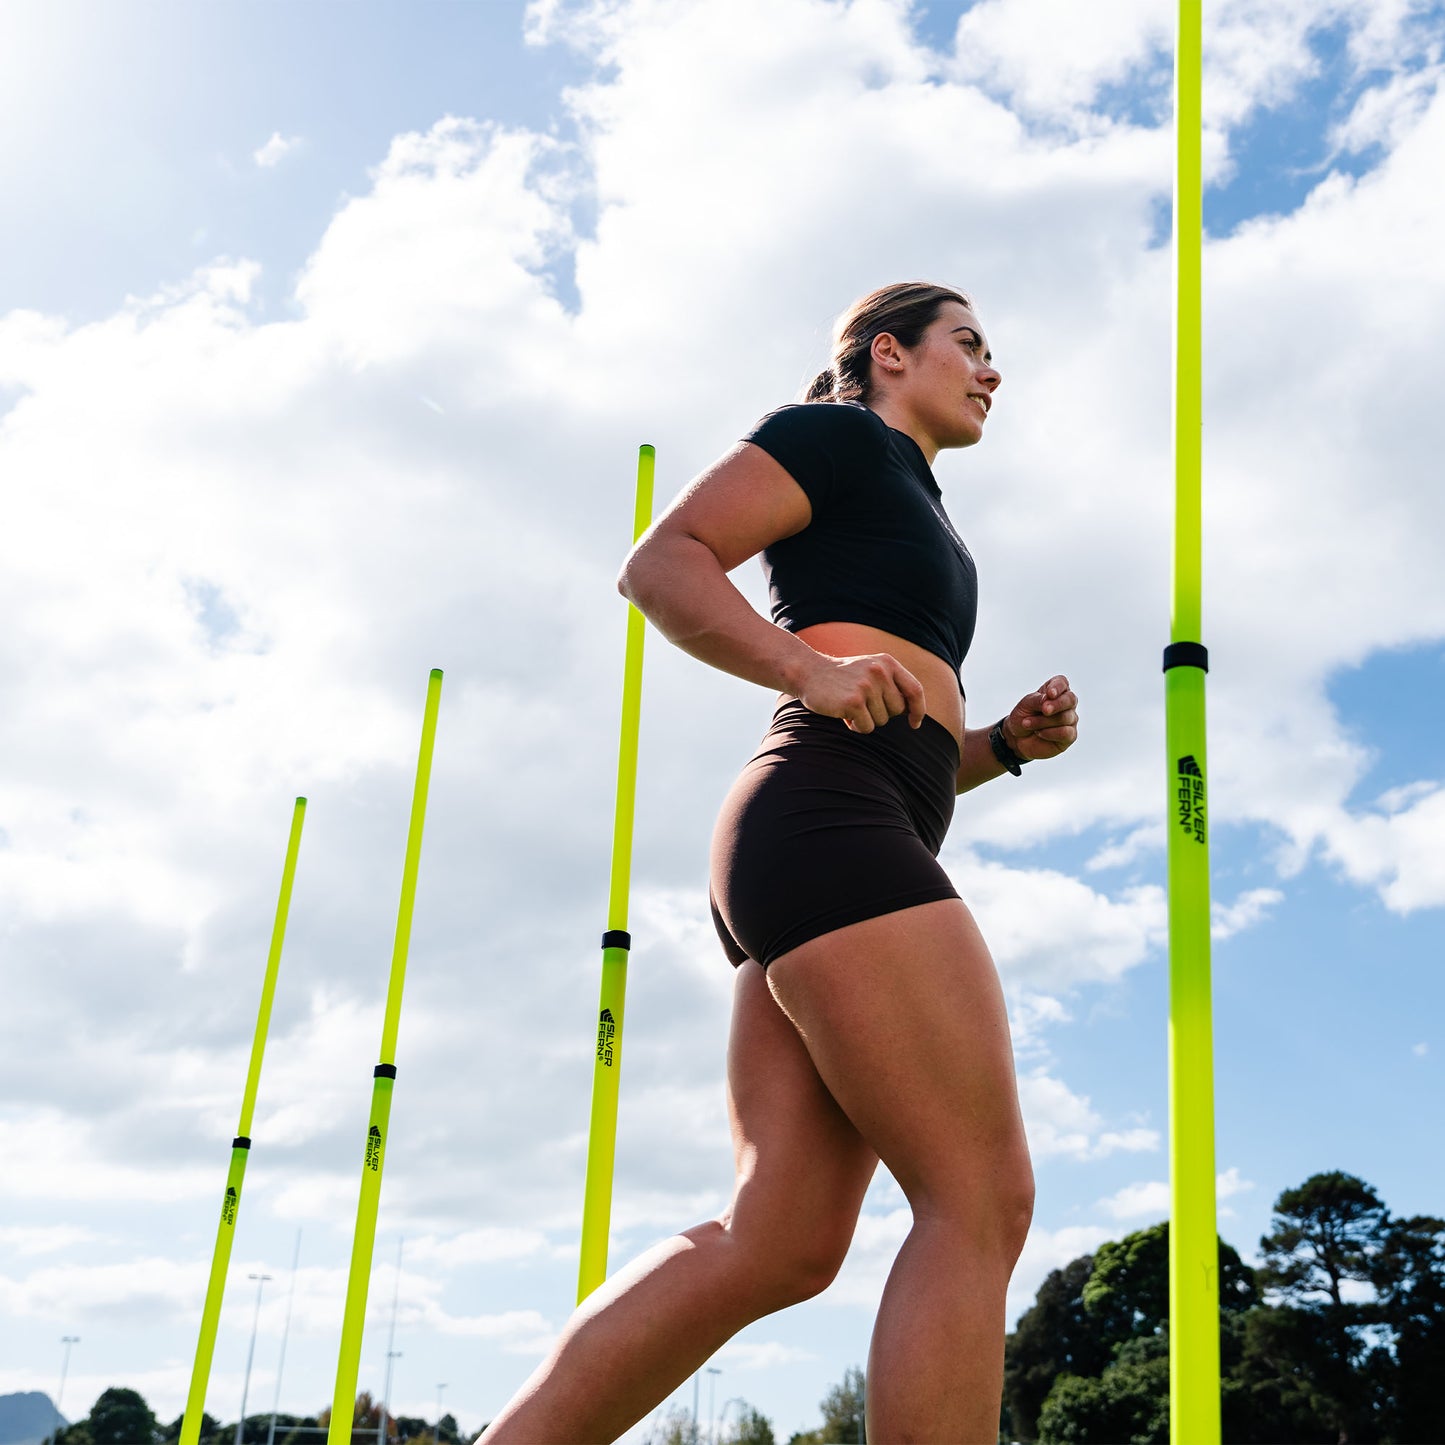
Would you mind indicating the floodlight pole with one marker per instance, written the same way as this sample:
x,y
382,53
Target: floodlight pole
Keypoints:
x,y
250,1354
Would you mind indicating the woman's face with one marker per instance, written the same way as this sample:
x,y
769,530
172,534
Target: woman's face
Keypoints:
x,y
947,381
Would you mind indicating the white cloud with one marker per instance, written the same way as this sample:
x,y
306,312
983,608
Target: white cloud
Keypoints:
x,y
1045,1251
1150,1199
234,546
275,150
1396,850
1061,1122
26,1240
1246,910
997,45
766,1355
1047,929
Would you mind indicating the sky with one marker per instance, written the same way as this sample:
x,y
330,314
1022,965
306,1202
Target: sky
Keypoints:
x,y
328,336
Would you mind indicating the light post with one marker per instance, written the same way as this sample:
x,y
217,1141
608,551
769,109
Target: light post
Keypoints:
x,y
391,1352
285,1335
722,1419
442,1386
711,1418
67,1341
251,1353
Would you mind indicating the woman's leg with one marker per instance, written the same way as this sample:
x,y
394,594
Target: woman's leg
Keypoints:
x,y
904,1017
802,1171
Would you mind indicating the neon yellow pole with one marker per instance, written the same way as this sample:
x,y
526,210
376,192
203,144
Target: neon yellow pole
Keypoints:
x,y
1194,1413
616,941
240,1149
348,1366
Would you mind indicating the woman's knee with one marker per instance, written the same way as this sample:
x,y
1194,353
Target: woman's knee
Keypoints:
x,y
790,1259
803,1267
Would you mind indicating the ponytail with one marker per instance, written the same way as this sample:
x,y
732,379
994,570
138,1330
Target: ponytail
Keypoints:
x,y
905,311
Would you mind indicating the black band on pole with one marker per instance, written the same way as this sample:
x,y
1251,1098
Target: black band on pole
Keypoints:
x,y
240,1142
384,1071
1186,654
617,938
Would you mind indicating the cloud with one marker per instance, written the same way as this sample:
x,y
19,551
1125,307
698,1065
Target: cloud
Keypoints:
x,y
1047,929
1061,1122
275,150
1246,910
1150,1199
235,545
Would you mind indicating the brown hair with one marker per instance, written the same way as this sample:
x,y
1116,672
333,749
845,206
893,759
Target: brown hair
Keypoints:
x,y
904,310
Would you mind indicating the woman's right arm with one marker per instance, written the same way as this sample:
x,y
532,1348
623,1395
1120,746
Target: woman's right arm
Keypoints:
x,y
676,576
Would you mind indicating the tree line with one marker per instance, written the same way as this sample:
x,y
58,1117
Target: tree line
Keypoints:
x,y
1336,1338
121,1417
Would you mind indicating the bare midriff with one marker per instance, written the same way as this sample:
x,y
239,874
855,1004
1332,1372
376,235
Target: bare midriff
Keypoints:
x,y
941,697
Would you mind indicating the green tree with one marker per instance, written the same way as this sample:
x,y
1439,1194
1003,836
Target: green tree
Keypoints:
x,y
750,1428
675,1428
1053,1337
1410,1281
1127,1294
843,1415
1330,1230
1126,1405
122,1417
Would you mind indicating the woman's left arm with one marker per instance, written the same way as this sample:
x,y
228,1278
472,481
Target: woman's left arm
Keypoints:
x,y
1041,725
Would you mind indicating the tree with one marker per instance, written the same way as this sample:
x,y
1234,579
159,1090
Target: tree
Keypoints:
x,y
1053,1337
675,1428
843,1415
1330,1230
750,1428
122,1417
1127,1295
1126,1405
1410,1280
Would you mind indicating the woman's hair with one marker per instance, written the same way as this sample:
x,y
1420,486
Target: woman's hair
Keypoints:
x,y
904,310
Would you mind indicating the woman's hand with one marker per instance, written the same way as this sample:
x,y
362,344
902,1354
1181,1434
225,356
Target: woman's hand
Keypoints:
x,y
1045,722
864,691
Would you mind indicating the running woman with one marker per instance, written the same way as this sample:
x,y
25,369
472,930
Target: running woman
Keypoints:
x,y
868,1020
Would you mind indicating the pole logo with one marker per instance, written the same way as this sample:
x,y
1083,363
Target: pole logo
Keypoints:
x,y
228,1205
606,1033
373,1148
1189,798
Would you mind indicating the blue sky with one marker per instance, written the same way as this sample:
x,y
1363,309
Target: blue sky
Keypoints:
x,y
372,407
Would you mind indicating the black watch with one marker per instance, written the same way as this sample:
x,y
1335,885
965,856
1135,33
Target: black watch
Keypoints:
x,y
1003,752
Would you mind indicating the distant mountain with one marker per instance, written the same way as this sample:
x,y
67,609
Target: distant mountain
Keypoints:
x,y
27,1418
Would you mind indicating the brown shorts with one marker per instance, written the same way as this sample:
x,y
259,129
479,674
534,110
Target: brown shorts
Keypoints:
x,y
826,826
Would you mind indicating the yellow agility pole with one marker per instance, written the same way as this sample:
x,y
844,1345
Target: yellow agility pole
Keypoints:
x,y
348,1365
616,941
240,1149
1194,1412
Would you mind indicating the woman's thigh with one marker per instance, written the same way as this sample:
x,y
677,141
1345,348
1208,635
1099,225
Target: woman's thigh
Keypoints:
x,y
802,1166
903,1017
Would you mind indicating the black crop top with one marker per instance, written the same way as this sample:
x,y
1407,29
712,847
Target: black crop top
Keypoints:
x,y
880,549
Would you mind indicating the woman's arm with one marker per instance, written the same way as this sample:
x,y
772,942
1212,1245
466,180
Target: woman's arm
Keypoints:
x,y
978,764
679,585
676,576
1042,725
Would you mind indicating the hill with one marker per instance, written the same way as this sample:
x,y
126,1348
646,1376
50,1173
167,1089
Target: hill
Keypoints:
x,y
27,1418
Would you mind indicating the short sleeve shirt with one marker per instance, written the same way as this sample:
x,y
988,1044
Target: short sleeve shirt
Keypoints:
x,y
880,549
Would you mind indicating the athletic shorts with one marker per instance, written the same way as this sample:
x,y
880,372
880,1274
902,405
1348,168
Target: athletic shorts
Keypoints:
x,y
826,826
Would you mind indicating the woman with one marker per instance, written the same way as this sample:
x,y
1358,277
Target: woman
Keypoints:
x,y
868,1021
